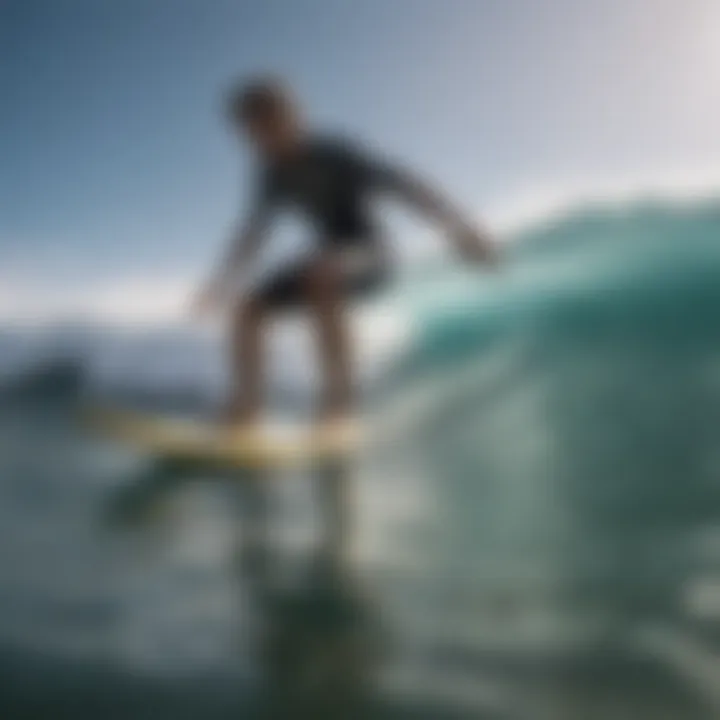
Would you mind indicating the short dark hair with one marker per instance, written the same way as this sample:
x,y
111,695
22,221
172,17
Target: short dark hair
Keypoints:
x,y
259,99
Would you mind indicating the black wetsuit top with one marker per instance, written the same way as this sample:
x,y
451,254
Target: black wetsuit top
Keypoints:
x,y
330,182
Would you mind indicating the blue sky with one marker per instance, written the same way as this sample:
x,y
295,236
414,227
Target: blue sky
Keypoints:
x,y
115,162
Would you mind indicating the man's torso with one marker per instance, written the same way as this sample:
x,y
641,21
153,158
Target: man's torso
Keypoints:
x,y
330,184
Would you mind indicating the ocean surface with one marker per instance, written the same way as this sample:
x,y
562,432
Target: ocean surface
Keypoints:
x,y
534,531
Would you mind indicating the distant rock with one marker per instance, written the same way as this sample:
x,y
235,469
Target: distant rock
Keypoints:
x,y
57,378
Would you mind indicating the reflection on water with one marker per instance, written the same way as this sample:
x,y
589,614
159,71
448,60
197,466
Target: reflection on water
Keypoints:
x,y
319,648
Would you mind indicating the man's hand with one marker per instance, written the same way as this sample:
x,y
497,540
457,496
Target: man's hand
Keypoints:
x,y
477,247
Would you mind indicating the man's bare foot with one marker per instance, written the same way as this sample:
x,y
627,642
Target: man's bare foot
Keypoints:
x,y
338,421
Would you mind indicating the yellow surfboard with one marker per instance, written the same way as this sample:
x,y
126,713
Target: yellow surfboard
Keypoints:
x,y
173,438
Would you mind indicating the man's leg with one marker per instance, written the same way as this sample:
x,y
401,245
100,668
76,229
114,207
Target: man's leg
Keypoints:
x,y
328,304
246,361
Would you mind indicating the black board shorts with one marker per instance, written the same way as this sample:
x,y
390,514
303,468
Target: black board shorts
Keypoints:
x,y
288,288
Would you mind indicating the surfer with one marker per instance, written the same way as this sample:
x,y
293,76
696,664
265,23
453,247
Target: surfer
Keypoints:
x,y
331,182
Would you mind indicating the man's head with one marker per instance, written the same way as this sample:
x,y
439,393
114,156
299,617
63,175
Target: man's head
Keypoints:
x,y
265,110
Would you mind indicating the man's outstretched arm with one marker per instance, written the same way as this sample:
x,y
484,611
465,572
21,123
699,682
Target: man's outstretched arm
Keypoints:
x,y
242,249
473,243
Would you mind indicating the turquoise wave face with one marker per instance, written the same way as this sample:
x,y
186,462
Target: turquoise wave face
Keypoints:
x,y
573,400
647,270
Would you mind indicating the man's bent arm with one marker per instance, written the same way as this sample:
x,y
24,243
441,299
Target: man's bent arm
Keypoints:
x,y
470,240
